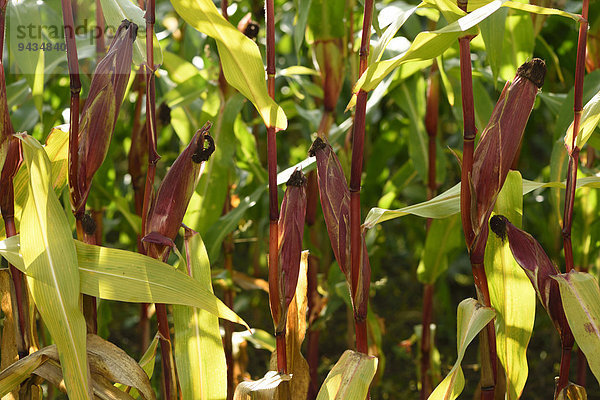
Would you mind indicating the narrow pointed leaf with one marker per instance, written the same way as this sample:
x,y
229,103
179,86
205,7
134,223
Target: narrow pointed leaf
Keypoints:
x,y
199,353
350,377
472,317
444,235
241,60
511,293
590,117
104,272
426,45
50,262
448,203
581,300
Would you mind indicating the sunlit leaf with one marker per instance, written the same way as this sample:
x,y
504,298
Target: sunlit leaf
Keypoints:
x,y
581,301
50,262
199,353
262,389
472,317
426,45
57,150
511,293
116,11
350,377
448,203
104,272
240,57
590,117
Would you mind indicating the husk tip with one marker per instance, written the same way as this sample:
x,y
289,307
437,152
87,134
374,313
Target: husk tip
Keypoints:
x,y
318,144
297,179
498,225
534,70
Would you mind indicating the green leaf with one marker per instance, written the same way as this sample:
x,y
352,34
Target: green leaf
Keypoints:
x,y
325,19
350,377
492,32
240,57
448,203
412,102
30,63
199,353
303,7
472,317
444,235
50,262
590,117
401,13
104,272
581,301
511,293
426,45
116,11
207,203
518,45
227,223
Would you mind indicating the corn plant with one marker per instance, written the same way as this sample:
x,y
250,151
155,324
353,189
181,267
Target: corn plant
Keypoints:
x,y
150,250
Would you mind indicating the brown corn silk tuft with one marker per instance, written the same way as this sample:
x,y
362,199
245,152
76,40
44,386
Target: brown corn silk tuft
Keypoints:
x,y
335,202
500,140
101,110
291,230
176,189
530,255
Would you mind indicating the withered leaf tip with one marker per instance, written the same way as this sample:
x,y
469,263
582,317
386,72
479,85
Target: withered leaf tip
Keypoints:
x,y
534,70
318,144
498,225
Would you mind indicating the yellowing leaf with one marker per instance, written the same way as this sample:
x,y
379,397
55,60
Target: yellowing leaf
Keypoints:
x,y
472,317
240,57
104,272
350,377
511,293
50,263
199,353
56,147
581,301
